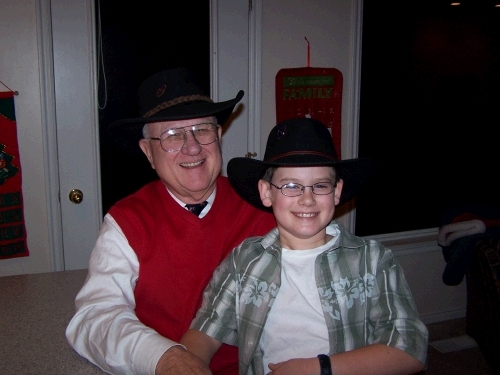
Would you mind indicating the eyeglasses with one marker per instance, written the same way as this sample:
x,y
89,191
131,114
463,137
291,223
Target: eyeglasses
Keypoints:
x,y
294,190
173,139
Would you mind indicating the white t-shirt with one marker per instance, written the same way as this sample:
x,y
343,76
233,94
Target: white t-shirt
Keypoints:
x,y
296,327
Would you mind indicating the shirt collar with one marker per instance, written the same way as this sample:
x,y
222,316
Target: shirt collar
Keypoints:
x,y
272,238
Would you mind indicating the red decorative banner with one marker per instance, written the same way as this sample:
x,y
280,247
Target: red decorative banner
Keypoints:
x,y
12,228
311,92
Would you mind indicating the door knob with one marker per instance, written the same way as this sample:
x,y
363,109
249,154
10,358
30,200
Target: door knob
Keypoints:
x,y
76,196
250,154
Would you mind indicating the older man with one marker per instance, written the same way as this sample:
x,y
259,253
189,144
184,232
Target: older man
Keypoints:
x,y
154,255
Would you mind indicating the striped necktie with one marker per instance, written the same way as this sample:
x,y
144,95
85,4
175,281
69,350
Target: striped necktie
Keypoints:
x,y
196,208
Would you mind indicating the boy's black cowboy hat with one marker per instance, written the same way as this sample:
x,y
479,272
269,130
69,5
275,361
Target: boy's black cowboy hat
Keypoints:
x,y
298,142
172,94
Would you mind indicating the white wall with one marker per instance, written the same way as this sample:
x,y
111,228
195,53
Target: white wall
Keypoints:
x,y
327,24
19,69
423,266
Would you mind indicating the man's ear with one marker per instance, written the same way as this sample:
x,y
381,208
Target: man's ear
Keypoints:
x,y
219,137
145,145
265,193
219,133
338,191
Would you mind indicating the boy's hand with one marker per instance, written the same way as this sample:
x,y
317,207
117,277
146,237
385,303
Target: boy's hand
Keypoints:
x,y
298,366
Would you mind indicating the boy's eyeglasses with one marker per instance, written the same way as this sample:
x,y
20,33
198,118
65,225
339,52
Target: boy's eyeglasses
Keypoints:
x,y
294,190
173,139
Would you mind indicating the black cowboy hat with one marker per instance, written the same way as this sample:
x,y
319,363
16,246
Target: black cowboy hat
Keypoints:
x,y
297,142
172,94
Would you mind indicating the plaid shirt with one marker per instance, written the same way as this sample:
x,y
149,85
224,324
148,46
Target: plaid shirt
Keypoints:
x,y
363,292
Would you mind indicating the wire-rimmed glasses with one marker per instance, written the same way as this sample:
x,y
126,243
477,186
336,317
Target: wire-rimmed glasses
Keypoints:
x,y
173,139
294,190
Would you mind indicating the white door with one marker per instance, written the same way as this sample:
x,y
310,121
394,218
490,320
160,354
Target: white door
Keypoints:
x,y
76,109
77,131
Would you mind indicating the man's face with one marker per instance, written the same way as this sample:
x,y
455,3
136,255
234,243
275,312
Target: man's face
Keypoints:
x,y
301,219
189,173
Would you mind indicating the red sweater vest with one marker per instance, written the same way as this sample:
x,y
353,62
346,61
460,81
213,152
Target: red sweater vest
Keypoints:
x,y
178,253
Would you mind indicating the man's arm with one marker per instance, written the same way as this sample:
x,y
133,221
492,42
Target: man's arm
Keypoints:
x,y
377,359
105,329
200,344
178,360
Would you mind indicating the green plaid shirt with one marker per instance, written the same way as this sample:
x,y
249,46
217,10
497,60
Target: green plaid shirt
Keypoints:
x,y
362,288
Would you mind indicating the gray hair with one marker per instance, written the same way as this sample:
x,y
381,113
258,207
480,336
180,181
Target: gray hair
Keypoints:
x,y
145,132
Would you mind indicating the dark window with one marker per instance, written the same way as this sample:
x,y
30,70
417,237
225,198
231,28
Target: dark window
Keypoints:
x,y
430,89
139,39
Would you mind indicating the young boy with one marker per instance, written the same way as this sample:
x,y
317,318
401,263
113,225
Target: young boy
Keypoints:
x,y
309,297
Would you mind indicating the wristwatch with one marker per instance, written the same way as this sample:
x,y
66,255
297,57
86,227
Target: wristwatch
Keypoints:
x,y
324,363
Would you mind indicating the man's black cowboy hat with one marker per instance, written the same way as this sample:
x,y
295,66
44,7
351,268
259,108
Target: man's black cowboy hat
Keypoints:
x,y
298,142
172,94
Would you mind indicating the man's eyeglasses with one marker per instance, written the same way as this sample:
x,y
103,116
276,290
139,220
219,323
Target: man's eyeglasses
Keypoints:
x,y
173,139
294,190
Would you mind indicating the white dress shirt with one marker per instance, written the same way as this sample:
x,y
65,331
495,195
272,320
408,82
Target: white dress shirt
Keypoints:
x,y
105,329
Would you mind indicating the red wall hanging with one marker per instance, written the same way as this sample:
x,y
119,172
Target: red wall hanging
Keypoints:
x,y
311,92
12,228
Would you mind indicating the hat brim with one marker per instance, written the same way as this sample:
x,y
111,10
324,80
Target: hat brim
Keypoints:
x,y
128,132
244,174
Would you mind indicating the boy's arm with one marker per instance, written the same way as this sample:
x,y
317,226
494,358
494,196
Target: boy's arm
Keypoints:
x,y
201,344
376,359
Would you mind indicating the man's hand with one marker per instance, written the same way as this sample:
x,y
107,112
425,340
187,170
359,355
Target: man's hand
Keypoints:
x,y
177,360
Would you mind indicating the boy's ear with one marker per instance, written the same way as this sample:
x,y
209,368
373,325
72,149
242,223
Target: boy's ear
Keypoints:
x,y
338,191
265,193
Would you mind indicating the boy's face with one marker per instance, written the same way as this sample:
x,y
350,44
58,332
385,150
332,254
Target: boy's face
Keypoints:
x,y
302,219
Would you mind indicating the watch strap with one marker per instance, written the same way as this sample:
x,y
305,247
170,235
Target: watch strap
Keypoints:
x,y
325,364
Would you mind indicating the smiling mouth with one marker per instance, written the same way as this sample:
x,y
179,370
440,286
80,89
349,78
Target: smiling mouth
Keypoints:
x,y
306,215
192,165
